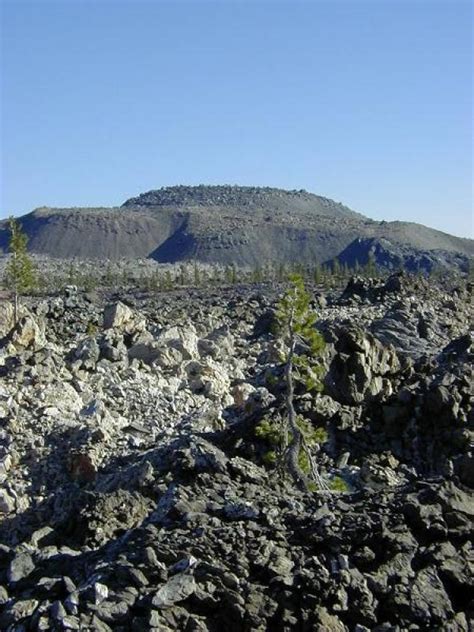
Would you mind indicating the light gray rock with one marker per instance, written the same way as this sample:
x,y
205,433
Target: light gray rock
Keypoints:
x,y
7,320
120,317
21,566
176,589
7,502
27,334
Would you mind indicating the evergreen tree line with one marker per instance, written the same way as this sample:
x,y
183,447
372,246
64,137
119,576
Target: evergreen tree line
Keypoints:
x,y
194,274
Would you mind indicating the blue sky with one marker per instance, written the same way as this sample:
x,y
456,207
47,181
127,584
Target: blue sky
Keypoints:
x,y
366,102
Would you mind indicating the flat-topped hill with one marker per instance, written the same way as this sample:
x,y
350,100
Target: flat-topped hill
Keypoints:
x,y
234,225
242,198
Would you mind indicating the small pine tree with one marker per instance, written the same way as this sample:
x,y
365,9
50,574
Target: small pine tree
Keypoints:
x,y
257,275
336,268
196,274
371,267
296,321
167,281
216,276
20,274
233,274
281,272
183,276
317,274
228,275
328,275
108,279
42,282
88,281
470,270
71,275
153,281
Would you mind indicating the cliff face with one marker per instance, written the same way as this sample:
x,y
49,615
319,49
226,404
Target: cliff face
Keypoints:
x,y
241,225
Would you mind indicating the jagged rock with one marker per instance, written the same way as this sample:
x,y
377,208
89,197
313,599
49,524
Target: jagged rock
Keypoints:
x,y
21,566
360,289
7,503
329,622
149,352
120,317
184,339
465,469
201,456
176,589
7,318
17,612
379,477
112,348
425,600
209,379
240,511
266,323
27,334
241,393
170,480
87,354
103,516
407,328
361,369
82,467
3,595
170,349
101,592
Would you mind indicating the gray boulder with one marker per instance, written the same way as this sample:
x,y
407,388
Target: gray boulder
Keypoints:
x,y
362,368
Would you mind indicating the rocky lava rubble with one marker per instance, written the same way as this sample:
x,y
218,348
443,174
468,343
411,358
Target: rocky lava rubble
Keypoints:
x,y
133,491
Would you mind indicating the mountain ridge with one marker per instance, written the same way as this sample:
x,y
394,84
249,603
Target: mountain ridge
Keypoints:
x,y
230,224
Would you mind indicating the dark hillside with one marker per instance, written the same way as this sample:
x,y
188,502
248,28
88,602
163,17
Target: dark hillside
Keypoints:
x,y
236,225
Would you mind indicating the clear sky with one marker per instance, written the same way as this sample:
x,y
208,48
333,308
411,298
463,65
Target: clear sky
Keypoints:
x,y
366,102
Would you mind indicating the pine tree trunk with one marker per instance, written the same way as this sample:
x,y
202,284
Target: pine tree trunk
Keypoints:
x,y
296,443
15,307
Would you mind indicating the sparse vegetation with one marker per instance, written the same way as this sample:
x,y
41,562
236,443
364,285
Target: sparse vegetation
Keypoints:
x,y
180,393
53,275
20,273
303,344
338,484
273,434
91,329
